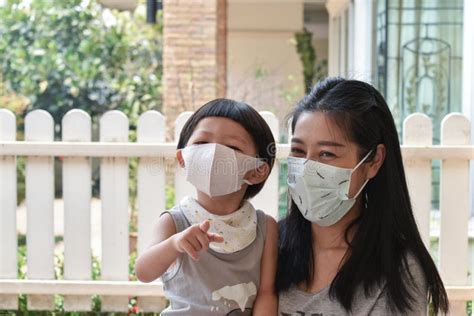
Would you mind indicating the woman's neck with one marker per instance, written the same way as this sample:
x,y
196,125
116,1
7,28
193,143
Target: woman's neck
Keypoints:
x,y
221,205
331,237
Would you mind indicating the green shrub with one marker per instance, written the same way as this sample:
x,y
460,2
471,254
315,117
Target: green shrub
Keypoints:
x,y
70,54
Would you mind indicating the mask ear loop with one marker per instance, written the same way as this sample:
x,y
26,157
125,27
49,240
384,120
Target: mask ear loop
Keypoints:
x,y
366,181
361,162
361,188
258,163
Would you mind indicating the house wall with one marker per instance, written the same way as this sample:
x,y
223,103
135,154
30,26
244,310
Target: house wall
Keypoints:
x,y
263,67
194,54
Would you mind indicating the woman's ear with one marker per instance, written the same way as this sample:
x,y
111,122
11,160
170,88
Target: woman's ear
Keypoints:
x,y
258,175
179,157
377,161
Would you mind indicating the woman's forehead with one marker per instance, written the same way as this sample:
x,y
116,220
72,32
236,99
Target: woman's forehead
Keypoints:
x,y
315,127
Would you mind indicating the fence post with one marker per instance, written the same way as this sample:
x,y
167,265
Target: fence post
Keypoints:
x,y
76,127
454,206
418,131
114,197
8,187
182,187
39,180
151,192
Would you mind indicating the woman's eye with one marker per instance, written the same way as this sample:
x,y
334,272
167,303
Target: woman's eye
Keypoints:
x,y
326,154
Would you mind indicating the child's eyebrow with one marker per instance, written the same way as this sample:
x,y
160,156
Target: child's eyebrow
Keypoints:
x,y
297,140
236,137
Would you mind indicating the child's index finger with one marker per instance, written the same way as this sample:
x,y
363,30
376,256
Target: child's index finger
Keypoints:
x,y
215,237
204,226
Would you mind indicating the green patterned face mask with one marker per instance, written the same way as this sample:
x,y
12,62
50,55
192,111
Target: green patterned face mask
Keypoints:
x,y
321,191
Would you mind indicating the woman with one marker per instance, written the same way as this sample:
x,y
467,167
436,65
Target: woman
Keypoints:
x,y
350,244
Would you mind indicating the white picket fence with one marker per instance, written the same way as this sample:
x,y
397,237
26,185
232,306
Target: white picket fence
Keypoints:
x,y
114,149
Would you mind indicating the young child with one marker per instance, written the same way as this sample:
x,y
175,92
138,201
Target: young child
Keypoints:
x,y
216,254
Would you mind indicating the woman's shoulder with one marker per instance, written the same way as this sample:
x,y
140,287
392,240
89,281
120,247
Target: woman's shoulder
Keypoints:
x,y
413,265
414,274
414,279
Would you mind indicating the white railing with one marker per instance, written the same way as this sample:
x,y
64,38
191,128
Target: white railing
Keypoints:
x,y
76,147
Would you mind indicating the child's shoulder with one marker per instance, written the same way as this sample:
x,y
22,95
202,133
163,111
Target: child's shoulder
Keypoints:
x,y
175,217
264,216
271,226
163,227
270,220
267,224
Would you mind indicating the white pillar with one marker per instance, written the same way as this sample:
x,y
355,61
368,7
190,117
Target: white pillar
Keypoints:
x,y
335,9
350,41
468,77
343,44
332,34
468,61
364,39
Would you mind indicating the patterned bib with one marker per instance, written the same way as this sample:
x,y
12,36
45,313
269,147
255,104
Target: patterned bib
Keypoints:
x,y
239,229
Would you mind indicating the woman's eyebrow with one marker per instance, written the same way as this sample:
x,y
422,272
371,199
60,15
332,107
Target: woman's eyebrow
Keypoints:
x,y
330,143
320,143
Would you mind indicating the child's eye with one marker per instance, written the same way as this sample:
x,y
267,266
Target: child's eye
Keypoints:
x,y
234,148
297,151
199,143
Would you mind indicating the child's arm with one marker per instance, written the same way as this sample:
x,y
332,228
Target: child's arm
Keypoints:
x,y
266,302
168,245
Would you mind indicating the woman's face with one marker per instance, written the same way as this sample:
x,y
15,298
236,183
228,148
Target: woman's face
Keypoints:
x,y
317,137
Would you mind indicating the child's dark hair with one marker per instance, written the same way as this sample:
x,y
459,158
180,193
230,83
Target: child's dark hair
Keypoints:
x,y
246,116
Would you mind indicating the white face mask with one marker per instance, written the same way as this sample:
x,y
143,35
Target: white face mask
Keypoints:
x,y
217,170
239,229
321,191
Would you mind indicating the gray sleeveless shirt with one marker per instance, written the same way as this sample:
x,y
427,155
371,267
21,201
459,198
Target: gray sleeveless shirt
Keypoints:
x,y
217,284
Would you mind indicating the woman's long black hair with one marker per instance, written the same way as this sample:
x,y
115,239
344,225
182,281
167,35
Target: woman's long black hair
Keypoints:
x,y
386,230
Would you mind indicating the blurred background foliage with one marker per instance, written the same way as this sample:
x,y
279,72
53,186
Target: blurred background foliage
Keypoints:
x,y
58,55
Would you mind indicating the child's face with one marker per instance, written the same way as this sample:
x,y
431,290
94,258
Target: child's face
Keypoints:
x,y
224,131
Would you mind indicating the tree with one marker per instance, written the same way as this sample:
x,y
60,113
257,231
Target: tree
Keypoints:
x,y
313,69
75,54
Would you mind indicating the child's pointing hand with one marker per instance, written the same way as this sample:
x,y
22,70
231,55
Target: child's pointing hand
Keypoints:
x,y
195,238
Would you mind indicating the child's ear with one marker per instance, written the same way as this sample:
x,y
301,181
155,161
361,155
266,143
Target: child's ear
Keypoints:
x,y
179,157
258,175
